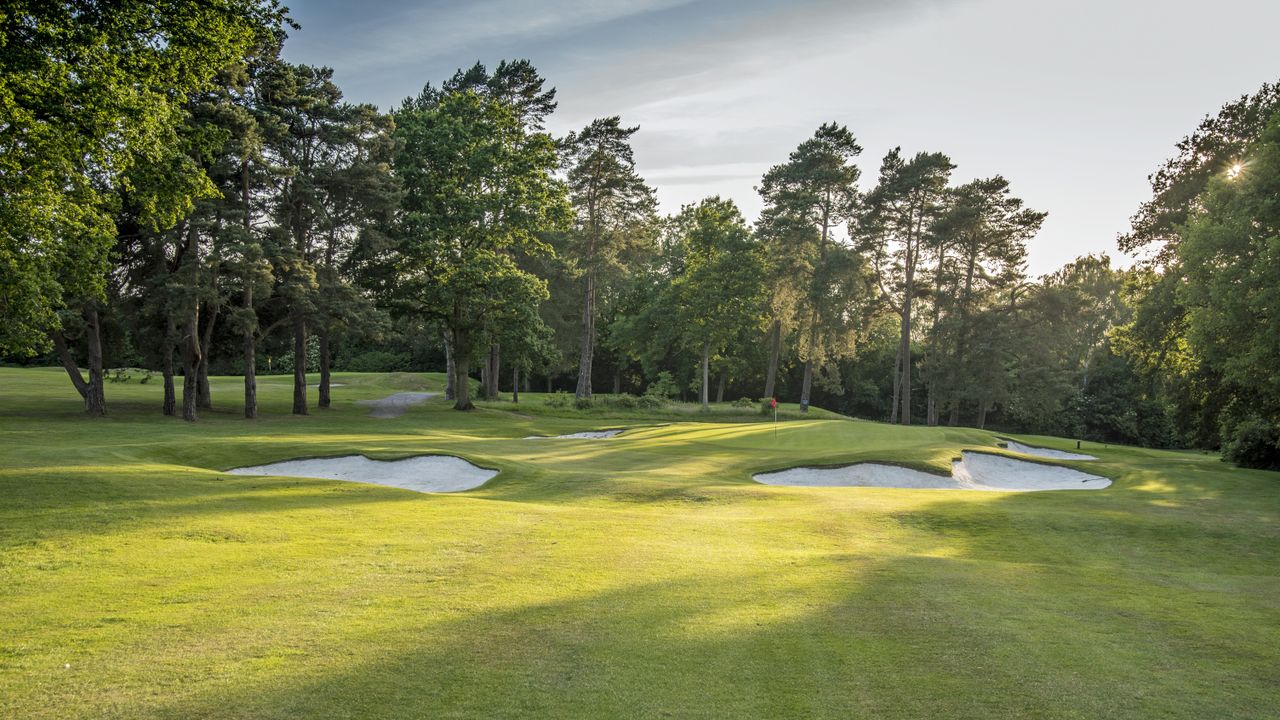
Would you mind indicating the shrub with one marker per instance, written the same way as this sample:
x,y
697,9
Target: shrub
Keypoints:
x,y
744,402
1255,443
650,402
557,399
623,401
664,387
582,403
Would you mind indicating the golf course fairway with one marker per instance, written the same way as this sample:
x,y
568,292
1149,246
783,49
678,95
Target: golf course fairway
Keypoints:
x,y
644,575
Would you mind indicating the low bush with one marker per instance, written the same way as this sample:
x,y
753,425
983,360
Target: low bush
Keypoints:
x,y
1255,443
558,399
650,402
623,401
583,403
744,402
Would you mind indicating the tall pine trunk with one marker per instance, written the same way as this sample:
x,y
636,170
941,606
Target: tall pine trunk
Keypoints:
x,y
775,349
706,369
806,386
323,401
617,382
190,365
247,340
720,388
299,364
170,407
449,392
495,359
461,370
515,384
897,386
203,396
588,338
249,349
904,354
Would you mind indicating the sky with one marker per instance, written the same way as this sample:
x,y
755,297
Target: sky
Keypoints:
x,y
1075,103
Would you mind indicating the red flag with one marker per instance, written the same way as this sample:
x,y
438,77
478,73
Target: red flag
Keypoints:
x,y
773,403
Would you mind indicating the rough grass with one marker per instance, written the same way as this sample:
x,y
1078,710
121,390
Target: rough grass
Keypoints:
x,y
642,576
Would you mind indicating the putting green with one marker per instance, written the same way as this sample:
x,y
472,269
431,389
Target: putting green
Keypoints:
x,y
645,575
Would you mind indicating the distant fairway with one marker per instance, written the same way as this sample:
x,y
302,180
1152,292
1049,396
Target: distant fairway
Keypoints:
x,y
644,575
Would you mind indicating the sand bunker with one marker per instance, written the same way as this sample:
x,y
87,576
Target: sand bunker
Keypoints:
x,y
1018,447
393,406
425,473
973,471
587,435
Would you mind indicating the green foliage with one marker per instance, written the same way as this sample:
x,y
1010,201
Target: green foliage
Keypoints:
x,y
1254,443
90,91
664,386
375,361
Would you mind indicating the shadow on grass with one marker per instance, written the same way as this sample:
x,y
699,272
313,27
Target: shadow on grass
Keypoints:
x,y
824,635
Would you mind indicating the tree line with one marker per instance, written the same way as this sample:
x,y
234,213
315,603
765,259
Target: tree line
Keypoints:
x,y
174,195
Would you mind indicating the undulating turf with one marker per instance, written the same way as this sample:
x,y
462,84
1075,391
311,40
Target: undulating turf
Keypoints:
x,y
643,576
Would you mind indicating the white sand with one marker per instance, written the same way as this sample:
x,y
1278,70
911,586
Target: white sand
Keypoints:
x,y
393,406
587,435
1018,447
425,473
974,471
983,471
860,475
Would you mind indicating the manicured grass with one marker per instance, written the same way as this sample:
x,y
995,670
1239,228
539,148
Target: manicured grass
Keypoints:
x,y
642,576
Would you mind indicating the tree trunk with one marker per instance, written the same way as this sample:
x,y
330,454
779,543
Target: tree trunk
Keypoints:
x,y
461,369
96,400
203,396
982,414
69,364
449,392
897,386
191,353
720,388
550,384
775,349
806,386
617,382
588,338
515,384
904,354
323,401
299,364
706,369
485,365
931,415
495,367
170,407
249,347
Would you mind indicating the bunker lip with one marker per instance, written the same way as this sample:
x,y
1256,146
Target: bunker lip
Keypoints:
x,y
422,473
584,435
1035,451
396,404
973,471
